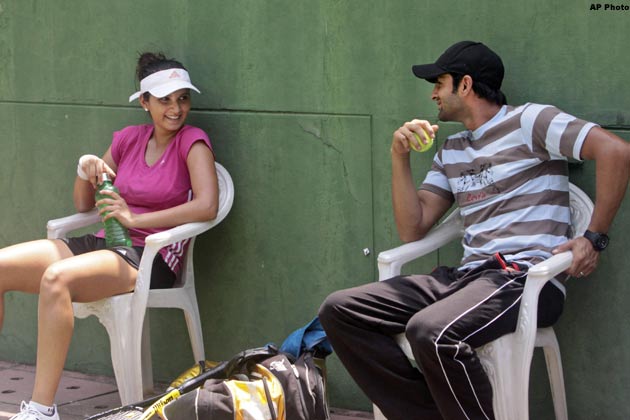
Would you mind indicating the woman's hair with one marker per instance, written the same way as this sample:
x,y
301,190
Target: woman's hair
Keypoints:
x,y
481,90
149,63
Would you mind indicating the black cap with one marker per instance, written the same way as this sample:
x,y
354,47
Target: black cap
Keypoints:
x,y
465,57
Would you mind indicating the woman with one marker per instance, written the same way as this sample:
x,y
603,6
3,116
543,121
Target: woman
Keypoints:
x,y
165,174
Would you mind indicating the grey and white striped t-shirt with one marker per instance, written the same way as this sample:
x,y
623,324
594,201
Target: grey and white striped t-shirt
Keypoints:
x,y
510,179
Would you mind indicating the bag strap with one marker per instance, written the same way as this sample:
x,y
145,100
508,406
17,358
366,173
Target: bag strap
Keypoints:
x,y
254,355
272,409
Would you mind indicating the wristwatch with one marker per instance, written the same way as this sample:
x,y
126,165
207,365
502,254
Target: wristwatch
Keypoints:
x,y
599,240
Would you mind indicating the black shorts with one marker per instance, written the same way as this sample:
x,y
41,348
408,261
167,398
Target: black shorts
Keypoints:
x,y
162,277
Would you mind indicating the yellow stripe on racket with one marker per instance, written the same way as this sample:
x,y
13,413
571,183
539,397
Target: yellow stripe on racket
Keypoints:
x,y
158,406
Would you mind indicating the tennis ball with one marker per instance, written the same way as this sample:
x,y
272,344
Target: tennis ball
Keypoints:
x,y
423,147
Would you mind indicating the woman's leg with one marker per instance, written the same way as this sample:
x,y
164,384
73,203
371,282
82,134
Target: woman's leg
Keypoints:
x,y
22,266
82,278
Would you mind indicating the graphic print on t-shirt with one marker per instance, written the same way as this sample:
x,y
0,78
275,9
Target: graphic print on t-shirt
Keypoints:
x,y
477,182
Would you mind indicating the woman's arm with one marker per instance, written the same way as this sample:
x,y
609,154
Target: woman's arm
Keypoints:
x,y
93,167
202,207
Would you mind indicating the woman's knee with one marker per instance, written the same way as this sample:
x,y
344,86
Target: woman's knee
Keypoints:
x,y
54,281
22,265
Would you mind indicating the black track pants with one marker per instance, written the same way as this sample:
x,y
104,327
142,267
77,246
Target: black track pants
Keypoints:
x,y
445,316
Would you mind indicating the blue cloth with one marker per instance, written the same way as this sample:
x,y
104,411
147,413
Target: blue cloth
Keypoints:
x,y
310,337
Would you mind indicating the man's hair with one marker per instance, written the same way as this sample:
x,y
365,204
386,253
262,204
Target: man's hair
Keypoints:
x,y
481,90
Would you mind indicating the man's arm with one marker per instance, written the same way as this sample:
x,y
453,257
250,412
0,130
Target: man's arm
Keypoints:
x,y
415,211
612,171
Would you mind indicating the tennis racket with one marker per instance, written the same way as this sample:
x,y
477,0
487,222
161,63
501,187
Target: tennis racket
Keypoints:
x,y
144,410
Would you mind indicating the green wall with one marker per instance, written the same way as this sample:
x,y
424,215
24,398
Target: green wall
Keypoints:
x,y
300,99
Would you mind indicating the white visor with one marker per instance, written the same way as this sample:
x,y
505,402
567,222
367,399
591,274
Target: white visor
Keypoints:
x,y
164,82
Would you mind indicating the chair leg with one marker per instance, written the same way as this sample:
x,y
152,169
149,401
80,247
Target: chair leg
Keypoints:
x,y
556,381
496,358
193,322
126,361
147,362
546,338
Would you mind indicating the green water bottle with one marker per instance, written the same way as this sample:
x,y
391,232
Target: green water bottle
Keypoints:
x,y
115,233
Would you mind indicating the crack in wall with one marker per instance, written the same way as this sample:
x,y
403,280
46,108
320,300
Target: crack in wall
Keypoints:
x,y
316,132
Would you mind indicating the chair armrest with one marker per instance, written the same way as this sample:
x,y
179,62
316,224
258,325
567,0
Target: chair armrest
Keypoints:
x,y
176,234
58,228
390,262
551,267
537,277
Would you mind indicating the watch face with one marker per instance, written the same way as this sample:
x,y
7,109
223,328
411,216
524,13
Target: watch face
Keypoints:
x,y
599,240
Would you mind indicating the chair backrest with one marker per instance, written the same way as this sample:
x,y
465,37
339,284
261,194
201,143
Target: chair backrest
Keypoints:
x,y
226,192
581,210
226,199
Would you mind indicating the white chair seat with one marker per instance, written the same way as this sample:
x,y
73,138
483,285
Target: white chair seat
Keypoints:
x,y
506,360
123,316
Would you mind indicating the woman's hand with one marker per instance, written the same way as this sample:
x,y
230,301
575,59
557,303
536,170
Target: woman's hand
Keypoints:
x,y
115,206
91,168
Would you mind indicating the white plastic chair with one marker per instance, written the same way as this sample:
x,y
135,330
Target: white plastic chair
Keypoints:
x,y
506,360
124,315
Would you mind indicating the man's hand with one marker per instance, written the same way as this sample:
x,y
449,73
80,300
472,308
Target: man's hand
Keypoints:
x,y
403,137
585,257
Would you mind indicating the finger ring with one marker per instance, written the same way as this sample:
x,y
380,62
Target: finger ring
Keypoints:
x,y
581,273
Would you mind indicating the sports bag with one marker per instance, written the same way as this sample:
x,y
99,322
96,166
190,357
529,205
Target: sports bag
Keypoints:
x,y
264,384
303,385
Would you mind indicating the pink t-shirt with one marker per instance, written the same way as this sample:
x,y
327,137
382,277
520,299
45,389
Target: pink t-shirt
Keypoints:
x,y
163,185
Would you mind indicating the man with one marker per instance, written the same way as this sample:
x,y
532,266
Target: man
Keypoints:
x,y
508,174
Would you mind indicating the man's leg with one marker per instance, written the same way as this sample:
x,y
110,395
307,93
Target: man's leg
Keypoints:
x,y
360,323
443,338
